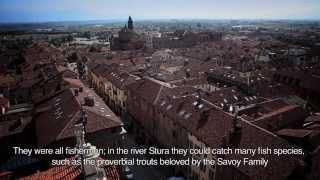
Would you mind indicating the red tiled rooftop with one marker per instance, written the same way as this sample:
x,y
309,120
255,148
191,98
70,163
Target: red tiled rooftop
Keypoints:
x,y
146,88
70,172
61,112
279,167
294,132
264,108
213,130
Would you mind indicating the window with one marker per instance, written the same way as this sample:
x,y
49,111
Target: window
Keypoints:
x,y
174,134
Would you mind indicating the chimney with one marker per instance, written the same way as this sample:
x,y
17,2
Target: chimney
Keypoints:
x,y
148,59
3,110
76,92
204,116
199,103
188,73
236,127
225,107
79,133
235,132
88,101
184,81
186,62
132,62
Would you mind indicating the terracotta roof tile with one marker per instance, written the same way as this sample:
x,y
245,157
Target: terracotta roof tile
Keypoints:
x,y
70,172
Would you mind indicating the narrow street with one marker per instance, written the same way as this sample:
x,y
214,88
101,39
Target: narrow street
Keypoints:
x,y
139,172
142,172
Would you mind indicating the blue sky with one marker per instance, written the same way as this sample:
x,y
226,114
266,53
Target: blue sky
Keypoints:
x,y
71,10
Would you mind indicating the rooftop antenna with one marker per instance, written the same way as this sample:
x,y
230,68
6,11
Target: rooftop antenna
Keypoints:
x,y
79,132
83,120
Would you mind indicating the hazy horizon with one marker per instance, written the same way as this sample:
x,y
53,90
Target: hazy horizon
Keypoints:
x,y
33,11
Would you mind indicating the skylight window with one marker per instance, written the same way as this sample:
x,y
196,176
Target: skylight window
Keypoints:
x,y
181,113
235,97
231,109
200,106
169,107
187,116
195,103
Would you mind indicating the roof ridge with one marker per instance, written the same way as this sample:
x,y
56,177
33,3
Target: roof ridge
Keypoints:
x,y
67,125
158,82
98,114
158,95
277,112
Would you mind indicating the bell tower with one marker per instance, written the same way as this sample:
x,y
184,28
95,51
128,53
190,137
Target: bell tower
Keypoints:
x,y
130,23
